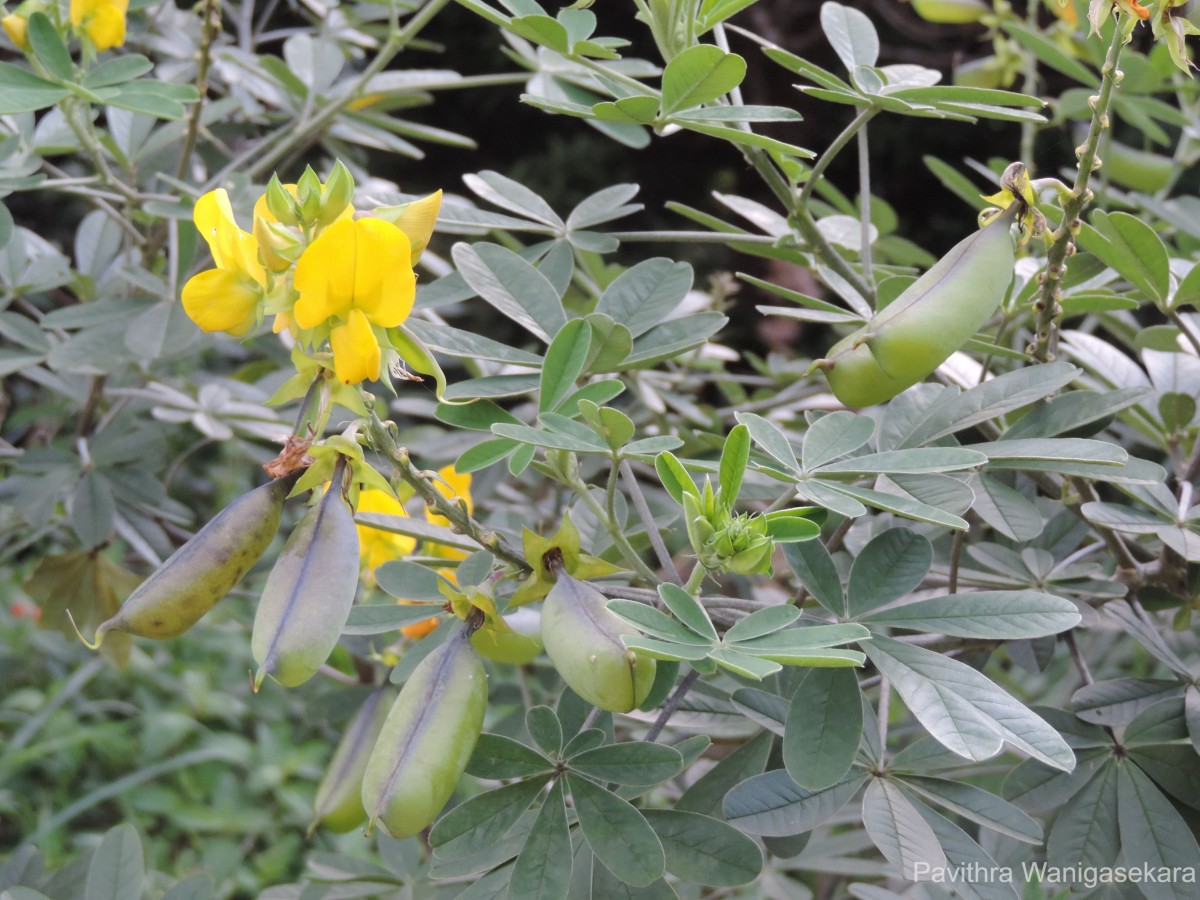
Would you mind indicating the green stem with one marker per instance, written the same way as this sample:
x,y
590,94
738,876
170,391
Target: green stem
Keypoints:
x,y
385,442
833,150
695,579
610,525
1048,307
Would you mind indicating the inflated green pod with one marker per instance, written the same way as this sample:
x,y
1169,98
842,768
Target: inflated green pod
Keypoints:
x,y
308,594
202,571
934,317
338,804
583,640
951,12
427,739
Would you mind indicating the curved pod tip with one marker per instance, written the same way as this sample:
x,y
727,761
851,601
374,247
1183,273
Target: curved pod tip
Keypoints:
x,y
97,638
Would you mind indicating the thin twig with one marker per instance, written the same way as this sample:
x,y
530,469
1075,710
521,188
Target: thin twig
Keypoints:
x,y
671,705
643,511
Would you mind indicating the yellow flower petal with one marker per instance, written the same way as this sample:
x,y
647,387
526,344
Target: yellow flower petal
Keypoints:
x,y
221,300
384,283
356,355
232,249
361,265
325,276
375,546
103,21
17,29
417,222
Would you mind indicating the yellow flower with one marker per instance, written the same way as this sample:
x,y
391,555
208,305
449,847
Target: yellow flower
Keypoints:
x,y
102,21
225,298
356,274
17,29
375,547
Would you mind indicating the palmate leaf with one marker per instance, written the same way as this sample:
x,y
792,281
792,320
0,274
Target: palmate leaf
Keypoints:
x,y
1085,831
1006,615
543,868
1154,834
771,804
823,727
618,833
704,850
899,831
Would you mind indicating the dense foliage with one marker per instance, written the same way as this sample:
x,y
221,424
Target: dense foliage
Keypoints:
x,y
556,582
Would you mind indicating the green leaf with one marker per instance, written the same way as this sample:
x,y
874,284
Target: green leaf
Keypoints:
x,y
963,709
197,886
824,723
979,806
117,869
673,337
1006,510
687,610
540,438
160,99
994,397
492,386
633,762
1047,51
1073,410
22,91
706,794
773,441
773,805
513,196
511,285
656,623
117,70
1116,702
642,296
674,477
1133,248
735,455
988,615
906,462
851,35
899,831
543,868
541,30
1085,830
380,618
565,360
699,75
892,563
1174,768
964,853
477,416
1153,833
484,454
484,819
704,850
767,709
611,343
47,45
618,833
1052,449
815,568
819,492
497,756
762,622
92,509
833,436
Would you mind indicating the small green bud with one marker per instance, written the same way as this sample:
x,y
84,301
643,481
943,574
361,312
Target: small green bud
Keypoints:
x,y
339,189
309,193
281,204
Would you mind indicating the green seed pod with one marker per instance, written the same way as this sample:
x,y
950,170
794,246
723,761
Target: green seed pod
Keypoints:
x,y
308,594
338,804
951,12
920,329
583,640
427,739
202,571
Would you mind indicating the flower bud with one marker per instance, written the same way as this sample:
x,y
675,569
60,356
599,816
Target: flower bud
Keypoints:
x,y
281,203
336,195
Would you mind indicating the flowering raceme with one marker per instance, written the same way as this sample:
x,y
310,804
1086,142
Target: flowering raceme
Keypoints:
x,y
226,298
355,275
101,21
